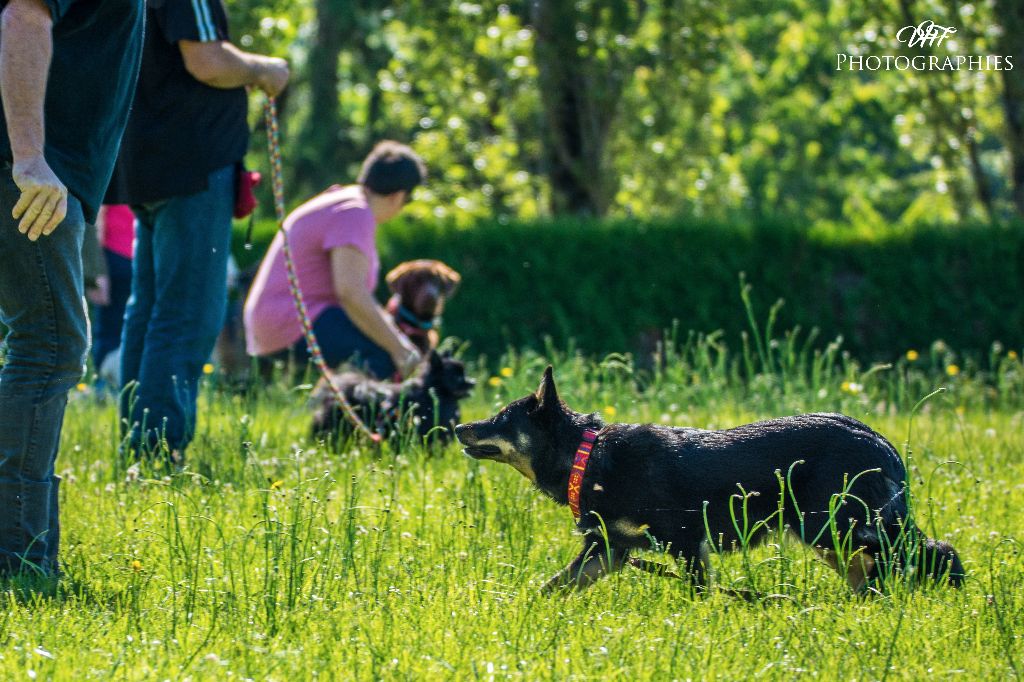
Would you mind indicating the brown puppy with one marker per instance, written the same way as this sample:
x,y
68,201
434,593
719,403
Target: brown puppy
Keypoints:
x,y
419,290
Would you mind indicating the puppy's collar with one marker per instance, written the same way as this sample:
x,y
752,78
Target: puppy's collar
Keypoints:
x,y
407,318
579,466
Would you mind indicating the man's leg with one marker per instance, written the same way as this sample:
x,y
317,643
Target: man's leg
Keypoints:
x,y
191,238
138,311
41,303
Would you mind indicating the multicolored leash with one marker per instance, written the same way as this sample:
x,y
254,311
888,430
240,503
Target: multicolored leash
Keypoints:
x,y
277,183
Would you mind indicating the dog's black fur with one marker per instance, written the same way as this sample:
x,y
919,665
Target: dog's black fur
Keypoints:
x,y
386,407
673,487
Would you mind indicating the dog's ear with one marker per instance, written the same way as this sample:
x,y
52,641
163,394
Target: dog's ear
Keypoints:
x,y
547,394
450,279
397,274
435,361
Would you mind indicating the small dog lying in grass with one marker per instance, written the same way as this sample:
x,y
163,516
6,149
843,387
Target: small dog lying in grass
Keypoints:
x,y
419,291
428,400
829,479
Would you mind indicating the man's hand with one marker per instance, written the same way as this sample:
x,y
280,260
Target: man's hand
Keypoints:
x,y
220,64
273,76
44,198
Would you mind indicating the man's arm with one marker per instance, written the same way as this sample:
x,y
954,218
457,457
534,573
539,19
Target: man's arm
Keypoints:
x,y
25,53
220,64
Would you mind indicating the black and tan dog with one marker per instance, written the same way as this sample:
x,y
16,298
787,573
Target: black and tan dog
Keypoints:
x,y
829,479
430,400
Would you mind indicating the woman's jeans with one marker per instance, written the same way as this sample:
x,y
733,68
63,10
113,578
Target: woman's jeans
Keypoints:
x,y
179,289
41,304
340,340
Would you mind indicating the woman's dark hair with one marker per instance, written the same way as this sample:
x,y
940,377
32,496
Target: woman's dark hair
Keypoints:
x,y
392,167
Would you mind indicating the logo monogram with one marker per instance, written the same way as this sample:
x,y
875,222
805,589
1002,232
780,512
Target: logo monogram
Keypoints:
x,y
925,34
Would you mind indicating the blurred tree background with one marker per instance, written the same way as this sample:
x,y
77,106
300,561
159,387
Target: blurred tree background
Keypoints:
x,y
706,108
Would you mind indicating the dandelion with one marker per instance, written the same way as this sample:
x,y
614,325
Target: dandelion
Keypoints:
x,y
952,370
81,387
1012,354
851,387
208,368
494,381
609,411
912,355
506,372
136,565
276,485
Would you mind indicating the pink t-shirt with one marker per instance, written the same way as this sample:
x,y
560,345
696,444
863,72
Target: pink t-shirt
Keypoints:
x,y
118,228
338,217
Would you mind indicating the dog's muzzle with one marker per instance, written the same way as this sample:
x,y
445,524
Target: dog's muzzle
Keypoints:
x,y
467,436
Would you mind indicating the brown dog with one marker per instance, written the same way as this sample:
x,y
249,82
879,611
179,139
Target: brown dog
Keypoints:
x,y
419,291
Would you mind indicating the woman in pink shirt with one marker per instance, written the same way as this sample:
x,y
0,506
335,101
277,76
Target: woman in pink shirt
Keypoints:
x,y
333,242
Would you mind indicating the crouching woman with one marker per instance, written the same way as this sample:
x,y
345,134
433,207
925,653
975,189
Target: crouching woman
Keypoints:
x,y
332,238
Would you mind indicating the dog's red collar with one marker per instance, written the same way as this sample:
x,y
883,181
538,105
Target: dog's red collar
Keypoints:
x,y
579,465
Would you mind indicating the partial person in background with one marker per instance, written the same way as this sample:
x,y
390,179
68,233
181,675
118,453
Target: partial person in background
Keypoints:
x,y
67,74
178,168
333,237
115,230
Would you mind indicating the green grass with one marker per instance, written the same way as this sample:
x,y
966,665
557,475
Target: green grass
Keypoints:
x,y
273,558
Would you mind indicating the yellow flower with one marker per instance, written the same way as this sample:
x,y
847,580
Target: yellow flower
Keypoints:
x,y
961,410
506,372
851,387
912,355
81,387
952,370
494,381
609,411
136,565
207,368
1012,355
276,485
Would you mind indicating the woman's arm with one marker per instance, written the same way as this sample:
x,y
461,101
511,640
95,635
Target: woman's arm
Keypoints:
x,y
349,268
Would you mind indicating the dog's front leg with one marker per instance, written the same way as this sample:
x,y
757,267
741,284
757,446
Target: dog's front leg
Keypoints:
x,y
597,559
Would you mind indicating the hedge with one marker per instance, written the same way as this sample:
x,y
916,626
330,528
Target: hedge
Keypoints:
x,y
614,286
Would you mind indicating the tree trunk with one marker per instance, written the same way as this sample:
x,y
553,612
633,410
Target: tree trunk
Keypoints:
x,y
1011,45
577,115
322,154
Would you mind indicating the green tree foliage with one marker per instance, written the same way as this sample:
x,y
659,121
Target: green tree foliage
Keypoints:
x,y
659,107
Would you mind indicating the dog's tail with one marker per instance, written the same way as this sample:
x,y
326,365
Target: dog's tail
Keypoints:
x,y
904,548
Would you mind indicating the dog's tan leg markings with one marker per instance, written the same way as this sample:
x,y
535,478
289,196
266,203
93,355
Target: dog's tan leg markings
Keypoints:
x,y
630,528
586,569
859,567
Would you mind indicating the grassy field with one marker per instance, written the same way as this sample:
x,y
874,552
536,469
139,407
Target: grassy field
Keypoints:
x,y
271,557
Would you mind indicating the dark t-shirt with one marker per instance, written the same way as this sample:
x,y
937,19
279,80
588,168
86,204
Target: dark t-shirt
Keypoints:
x,y
96,50
180,129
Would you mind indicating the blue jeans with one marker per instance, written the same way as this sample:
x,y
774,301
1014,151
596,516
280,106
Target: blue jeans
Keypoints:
x,y
41,303
340,340
179,289
108,320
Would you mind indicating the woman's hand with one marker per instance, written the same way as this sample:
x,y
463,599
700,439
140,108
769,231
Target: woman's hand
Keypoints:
x,y
407,361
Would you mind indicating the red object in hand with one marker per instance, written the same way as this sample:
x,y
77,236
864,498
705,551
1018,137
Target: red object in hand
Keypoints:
x,y
245,199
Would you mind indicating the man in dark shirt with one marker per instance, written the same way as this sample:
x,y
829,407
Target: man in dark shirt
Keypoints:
x,y
177,168
67,73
